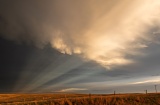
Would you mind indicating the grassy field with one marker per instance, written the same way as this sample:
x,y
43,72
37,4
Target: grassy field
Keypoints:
x,y
79,99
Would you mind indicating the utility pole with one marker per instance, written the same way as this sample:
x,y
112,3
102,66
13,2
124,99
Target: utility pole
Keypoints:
x,y
155,88
146,91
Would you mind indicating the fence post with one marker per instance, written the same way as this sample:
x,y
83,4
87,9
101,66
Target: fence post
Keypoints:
x,y
146,91
155,88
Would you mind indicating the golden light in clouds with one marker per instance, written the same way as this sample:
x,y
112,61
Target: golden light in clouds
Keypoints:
x,y
111,33
154,79
116,30
72,89
105,31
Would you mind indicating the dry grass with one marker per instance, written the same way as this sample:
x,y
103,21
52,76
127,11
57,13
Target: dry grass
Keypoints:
x,y
79,99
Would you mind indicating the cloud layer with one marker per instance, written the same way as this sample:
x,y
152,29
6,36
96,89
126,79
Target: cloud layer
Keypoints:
x,y
103,31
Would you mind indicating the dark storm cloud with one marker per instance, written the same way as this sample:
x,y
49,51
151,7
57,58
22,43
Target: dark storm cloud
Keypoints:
x,y
92,29
15,59
33,62
11,64
36,21
118,43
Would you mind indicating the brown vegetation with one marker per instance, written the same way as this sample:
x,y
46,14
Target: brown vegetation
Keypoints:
x,y
79,99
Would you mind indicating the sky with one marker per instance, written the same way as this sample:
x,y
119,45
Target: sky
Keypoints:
x,y
79,46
